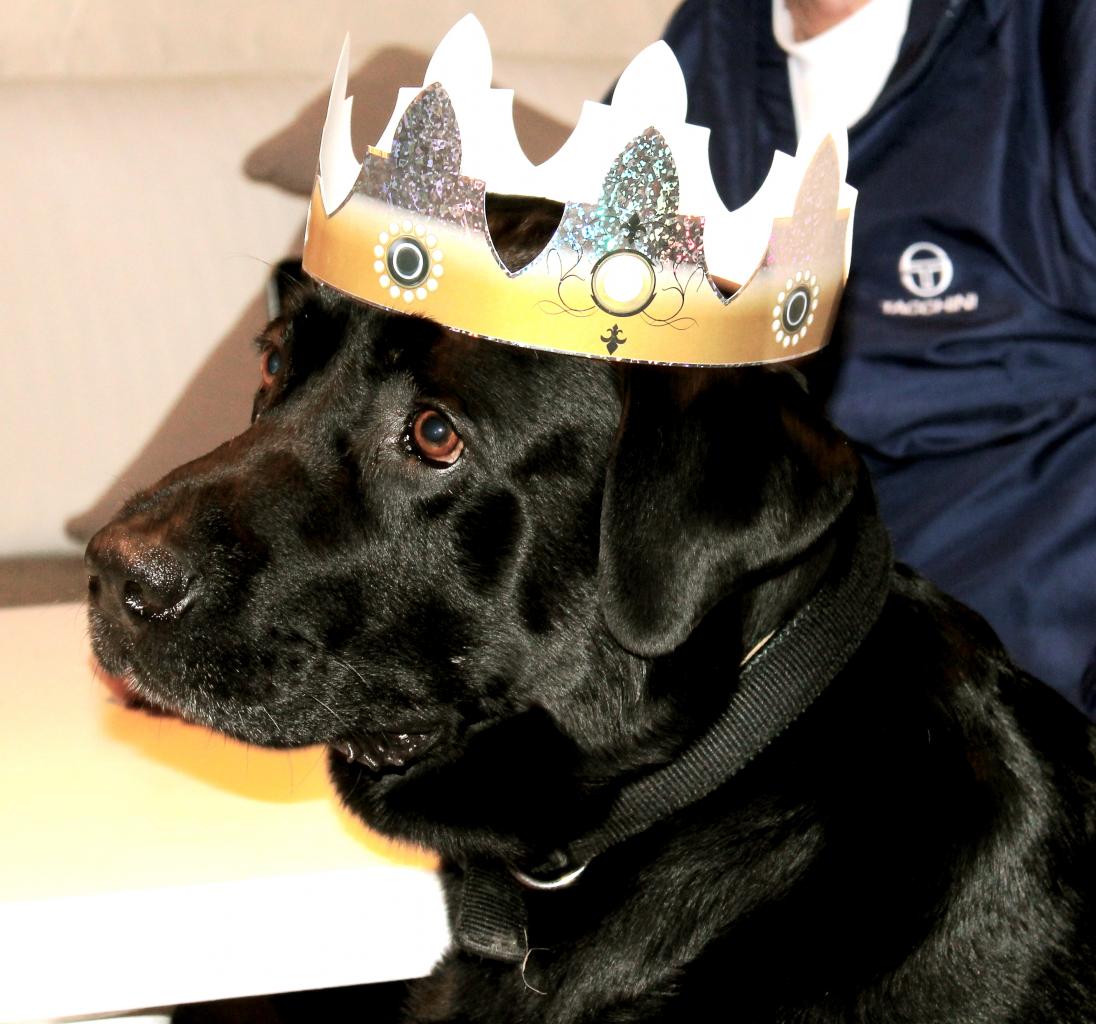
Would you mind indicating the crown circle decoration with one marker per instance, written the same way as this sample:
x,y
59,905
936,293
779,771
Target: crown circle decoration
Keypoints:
x,y
795,308
408,262
646,263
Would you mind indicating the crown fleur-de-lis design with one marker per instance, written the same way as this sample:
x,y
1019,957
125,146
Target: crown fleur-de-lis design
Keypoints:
x,y
614,339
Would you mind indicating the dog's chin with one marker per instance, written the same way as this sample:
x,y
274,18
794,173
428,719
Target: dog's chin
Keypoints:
x,y
142,691
381,751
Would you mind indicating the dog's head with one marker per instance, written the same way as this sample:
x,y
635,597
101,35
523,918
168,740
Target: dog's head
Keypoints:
x,y
465,564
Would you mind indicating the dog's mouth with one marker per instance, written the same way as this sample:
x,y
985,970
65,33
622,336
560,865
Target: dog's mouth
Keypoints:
x,y
384,750
381,751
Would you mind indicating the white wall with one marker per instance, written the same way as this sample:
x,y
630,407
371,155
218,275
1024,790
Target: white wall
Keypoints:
x,y
167,38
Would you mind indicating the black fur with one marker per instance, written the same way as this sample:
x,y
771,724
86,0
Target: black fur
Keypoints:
x,y
565,608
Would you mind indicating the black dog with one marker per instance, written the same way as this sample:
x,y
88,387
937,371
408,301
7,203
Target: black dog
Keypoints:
x,y
549,612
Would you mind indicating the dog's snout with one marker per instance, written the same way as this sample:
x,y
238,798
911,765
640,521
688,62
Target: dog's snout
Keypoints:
x,y
135,579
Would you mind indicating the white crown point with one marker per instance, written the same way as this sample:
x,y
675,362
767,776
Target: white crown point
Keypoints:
x,y
811,141
463,58
735,240
490,149
650,92
462,65
338,166
652,87
815,134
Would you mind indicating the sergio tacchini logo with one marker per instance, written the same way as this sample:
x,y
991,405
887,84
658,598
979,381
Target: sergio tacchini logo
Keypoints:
x,y
926,271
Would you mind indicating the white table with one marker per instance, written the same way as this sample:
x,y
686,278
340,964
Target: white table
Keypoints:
x,y
144,862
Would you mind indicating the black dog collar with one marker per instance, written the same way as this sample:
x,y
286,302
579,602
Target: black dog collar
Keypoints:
x,y
774,688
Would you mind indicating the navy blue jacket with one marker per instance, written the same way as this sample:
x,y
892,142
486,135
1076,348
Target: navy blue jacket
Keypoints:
x,y
964,358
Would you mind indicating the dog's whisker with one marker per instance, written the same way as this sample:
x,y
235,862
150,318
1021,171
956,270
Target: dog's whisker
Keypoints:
x,y
251,257
334,657
329,708
346,665
354,787
530,950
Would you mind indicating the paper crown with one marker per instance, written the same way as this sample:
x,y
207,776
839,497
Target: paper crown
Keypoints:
x,y
646,263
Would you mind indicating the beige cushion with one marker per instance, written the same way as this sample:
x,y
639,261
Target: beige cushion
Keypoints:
x,y
288,159
213,407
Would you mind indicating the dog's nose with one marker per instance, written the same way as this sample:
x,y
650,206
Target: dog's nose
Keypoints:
x,y
133,579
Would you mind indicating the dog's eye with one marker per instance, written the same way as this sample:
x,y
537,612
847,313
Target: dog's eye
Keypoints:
x,y
433,437
272,362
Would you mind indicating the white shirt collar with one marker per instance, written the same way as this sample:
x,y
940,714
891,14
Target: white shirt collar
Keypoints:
x,y
837,75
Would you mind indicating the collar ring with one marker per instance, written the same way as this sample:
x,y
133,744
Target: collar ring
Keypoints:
x,y
548,884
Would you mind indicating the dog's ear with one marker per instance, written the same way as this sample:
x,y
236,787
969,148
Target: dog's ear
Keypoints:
x,y
718,479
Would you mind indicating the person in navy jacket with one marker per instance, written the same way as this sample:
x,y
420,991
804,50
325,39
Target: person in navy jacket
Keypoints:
x,y
964,358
